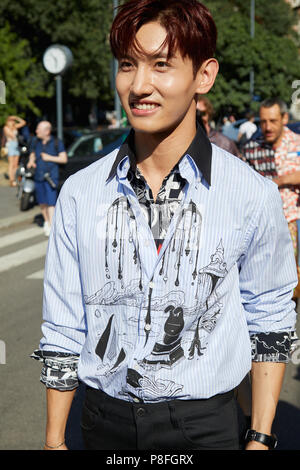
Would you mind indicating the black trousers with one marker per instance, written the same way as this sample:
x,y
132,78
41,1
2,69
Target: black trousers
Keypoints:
x,y
111,424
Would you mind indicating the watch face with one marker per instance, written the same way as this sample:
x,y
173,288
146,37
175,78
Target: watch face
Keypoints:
x,y
54,60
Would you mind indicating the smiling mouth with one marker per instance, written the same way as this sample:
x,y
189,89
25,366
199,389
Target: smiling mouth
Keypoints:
x,y
144,106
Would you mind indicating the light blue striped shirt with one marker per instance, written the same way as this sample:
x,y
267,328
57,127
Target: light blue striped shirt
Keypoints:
x,y
177,324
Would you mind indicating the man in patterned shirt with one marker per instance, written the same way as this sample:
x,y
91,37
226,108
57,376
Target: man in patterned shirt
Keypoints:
x,y
275,155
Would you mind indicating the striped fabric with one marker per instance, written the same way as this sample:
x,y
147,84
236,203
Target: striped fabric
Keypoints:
x,y
155,326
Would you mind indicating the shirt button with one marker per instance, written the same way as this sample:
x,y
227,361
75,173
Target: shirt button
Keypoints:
x,y
151,285
140,412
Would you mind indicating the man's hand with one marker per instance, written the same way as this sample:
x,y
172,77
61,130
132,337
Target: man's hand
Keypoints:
x,y
288,179
31,164
254,445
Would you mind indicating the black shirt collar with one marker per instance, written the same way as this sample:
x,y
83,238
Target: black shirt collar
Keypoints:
x,y
200,150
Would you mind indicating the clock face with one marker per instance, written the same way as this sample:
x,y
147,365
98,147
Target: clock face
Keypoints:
x,y
54,60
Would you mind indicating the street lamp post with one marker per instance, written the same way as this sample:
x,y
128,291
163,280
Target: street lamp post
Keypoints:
x,y
117,100
57,59
252,34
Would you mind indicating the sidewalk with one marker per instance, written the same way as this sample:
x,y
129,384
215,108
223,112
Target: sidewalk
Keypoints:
x,y
10,214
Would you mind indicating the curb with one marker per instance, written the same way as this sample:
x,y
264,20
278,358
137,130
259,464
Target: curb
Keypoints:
x,y
20,218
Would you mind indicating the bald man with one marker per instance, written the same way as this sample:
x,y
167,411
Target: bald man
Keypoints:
x,y
46,153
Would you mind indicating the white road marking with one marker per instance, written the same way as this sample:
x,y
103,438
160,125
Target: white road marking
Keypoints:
x,y
37,275
23,256
20,236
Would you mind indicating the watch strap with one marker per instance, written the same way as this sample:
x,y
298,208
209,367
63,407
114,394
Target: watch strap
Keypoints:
x,y
265,439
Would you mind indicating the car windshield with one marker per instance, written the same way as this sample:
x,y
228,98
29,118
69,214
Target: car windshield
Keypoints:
x,y
92,144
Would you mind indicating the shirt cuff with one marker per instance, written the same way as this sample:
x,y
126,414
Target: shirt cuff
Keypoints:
x,y
273,347
59,371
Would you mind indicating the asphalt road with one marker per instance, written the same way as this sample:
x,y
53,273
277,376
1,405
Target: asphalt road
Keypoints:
x,y
22,397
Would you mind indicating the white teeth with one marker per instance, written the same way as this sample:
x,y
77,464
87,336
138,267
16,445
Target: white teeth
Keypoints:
x,y
144,106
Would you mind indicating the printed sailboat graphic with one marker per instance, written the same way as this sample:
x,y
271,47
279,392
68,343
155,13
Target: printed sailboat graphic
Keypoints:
x,y
106,348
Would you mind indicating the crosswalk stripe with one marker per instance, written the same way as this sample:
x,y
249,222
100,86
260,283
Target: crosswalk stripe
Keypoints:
x,y
36,275
20,236
23,256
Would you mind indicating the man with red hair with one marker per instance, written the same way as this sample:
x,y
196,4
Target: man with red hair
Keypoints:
x,y
169,260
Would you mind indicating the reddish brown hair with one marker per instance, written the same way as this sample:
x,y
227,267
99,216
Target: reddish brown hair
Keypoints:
x,y
189,25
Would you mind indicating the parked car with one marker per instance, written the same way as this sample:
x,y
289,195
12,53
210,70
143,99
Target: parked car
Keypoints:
x,y
89,147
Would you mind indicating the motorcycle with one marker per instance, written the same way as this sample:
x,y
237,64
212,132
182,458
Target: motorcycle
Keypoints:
x,y
25,181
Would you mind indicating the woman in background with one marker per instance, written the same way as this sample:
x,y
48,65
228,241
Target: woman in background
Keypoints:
x,y
13,123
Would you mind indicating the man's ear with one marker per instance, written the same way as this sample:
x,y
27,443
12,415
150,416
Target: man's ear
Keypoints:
x,y
285,119
206,76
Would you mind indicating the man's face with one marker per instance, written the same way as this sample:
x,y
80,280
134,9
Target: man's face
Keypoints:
x,y
43,130
156,93
272,123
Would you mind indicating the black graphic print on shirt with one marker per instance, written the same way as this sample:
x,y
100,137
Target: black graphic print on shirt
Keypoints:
x,y
194,319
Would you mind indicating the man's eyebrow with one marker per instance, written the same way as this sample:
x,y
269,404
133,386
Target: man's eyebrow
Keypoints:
x,y
154,56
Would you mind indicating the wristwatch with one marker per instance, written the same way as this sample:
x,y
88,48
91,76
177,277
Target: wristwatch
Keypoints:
x,y
265,439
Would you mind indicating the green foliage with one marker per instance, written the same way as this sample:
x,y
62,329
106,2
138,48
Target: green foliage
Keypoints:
x,y
82,26
23,82
272,53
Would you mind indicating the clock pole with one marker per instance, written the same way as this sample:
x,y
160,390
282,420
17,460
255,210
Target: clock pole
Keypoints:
x,y
59,112
57,59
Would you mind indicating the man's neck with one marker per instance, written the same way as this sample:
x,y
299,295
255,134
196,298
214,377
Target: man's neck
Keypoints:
x,y
278,142
157,154
46,139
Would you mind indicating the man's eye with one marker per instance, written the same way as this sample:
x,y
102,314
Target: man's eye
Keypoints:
x,y
125,65
161,64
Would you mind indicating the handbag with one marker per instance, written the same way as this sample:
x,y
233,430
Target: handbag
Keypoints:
x,y
3,152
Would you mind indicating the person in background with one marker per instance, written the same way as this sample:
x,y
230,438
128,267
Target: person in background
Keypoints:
x,y
274,155
225,121
205,111
248,128
46,153
10,130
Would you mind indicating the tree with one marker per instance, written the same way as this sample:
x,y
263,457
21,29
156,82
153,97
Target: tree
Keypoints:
x,y
23,82
82,25
273,53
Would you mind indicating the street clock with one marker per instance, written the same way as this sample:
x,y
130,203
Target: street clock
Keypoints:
x,y
57,59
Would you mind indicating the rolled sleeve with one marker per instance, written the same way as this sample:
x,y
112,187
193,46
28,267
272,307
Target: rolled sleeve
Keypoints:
x,y
59,370
268,271
64,323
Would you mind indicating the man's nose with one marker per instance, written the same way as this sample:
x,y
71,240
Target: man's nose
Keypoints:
x,y
268,125
142,82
